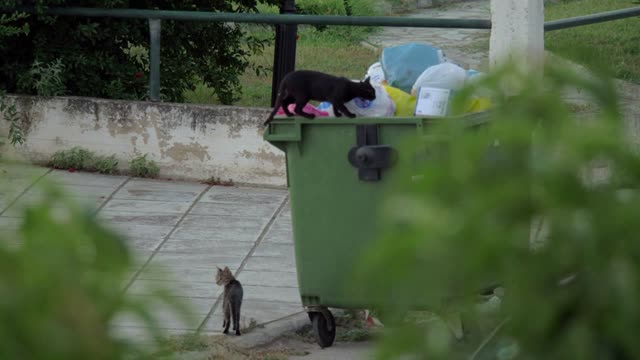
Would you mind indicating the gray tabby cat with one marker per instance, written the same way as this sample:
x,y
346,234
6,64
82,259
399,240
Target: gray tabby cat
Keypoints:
x,y
231,299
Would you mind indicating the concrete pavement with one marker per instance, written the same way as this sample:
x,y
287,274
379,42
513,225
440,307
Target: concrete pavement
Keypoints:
x,y
184,230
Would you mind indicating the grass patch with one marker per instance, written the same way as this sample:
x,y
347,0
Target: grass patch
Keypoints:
x,y
615,43
81,159
142,167
216,348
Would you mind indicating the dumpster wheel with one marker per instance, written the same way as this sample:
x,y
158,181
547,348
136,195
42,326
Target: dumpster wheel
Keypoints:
x,y
324,327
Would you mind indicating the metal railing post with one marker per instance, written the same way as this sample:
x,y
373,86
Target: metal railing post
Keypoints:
x,y
155,29
284,58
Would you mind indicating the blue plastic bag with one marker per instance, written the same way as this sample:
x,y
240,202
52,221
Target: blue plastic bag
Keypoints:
x,y
403,64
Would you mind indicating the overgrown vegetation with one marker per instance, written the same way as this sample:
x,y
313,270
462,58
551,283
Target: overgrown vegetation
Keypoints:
x,y
81,159
217,348
8,111
61,275
467,224
100,57
617,43
142,167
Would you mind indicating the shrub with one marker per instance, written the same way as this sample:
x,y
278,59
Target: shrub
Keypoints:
x,y
81,159
142,167
75,158
100,57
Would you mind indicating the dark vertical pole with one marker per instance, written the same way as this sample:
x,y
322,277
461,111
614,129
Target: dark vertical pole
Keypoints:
x,y
155,28
284,59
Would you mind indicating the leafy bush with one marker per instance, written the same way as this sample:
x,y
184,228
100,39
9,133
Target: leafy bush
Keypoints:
x,y
44,79
100,57
8,111
142,167
106,164
76,158
61,284
81,159
9,114
466,224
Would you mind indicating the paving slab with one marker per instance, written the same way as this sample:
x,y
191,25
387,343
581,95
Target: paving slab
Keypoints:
x,y
147,206
143,243
220,245
282,235
275,250
235,209
81,178
220,229
271,263
17,208
156,232
134,217
159,191
225,222
204,275
177,288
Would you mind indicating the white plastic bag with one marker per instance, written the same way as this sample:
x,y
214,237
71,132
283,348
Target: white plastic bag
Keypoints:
x,y
443,76
376,74
382,105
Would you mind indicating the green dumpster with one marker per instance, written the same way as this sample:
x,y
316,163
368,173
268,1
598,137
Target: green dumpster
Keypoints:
x,y
336,171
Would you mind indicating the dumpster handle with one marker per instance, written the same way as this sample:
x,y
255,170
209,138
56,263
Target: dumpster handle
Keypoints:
x,y
369,157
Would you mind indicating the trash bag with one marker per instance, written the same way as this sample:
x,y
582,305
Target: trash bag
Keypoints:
x,y
403,64
405,103
477,104
376,74
382,105
442,76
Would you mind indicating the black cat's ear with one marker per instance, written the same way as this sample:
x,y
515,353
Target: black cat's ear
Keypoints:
x,y
367,80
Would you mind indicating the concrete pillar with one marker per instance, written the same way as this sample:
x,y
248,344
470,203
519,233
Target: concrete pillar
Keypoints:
x,y
517,32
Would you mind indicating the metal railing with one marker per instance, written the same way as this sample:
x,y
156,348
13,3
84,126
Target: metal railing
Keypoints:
x,y
156,16
591,19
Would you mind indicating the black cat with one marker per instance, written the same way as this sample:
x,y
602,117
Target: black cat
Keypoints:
x,y
303,85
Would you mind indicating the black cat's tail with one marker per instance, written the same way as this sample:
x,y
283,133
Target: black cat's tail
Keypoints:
x,y
276,106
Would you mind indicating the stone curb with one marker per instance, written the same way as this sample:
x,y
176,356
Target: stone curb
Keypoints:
x,y
271,331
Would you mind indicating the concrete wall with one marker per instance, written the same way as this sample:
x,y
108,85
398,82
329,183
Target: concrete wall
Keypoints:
x,y
192,142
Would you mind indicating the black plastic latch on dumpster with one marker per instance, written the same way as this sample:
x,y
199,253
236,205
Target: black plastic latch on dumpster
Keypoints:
x,y
369,157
